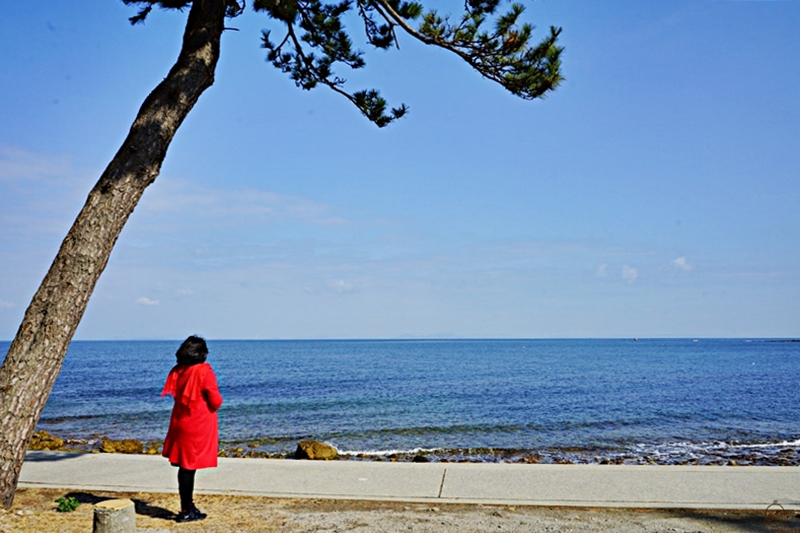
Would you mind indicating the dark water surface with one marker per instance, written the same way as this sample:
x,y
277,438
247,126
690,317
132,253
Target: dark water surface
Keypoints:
x,y
664,401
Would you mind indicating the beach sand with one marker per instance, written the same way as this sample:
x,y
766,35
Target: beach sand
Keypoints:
x,y
35,511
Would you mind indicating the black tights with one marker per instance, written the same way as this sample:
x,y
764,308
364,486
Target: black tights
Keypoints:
x,y
186,488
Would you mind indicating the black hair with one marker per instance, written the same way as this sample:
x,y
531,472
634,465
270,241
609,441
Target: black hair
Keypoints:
x,y
192,351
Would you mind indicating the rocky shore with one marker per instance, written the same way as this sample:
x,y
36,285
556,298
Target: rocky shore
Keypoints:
x,y
788,455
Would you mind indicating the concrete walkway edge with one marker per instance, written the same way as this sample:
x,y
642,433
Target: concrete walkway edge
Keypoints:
x,y
617,486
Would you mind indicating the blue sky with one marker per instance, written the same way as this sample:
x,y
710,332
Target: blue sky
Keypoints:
x,y
655,193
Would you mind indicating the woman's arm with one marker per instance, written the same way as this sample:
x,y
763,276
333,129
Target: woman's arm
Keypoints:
x,y
211,391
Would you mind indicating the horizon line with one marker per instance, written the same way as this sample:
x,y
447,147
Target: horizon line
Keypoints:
x,y
437,338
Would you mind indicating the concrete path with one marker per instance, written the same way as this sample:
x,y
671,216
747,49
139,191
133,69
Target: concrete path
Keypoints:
x,y
673,487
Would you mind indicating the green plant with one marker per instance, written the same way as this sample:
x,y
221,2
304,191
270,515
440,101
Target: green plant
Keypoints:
x,y
67,505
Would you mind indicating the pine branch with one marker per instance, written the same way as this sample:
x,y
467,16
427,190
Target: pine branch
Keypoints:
x,y
324,32
232,9
502,56
317,41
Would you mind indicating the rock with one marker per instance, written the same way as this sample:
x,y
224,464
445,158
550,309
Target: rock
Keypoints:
x,y
315,450
121,446
42,440
420,459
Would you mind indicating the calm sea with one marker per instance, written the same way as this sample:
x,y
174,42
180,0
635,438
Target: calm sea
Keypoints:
x,y
664,401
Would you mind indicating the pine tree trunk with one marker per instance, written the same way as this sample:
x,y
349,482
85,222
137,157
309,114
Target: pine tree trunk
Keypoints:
x,y
34,358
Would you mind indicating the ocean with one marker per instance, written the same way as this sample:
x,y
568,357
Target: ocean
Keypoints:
x,y
663,401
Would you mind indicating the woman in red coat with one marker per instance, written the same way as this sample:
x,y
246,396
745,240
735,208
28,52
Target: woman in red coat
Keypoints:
x,y
193,438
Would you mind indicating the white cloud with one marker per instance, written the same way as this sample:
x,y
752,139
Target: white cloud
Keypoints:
x,y
176,197
185,292
144,300
681,264
18,163
8,305
601,271
341,286
629,274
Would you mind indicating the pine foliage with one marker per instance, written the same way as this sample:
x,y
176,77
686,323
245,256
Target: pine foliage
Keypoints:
x,y
313,41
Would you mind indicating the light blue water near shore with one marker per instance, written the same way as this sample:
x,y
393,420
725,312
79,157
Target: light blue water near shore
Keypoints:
x,y
669,401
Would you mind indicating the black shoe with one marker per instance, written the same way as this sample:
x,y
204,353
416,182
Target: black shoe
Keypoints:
x,y
193,515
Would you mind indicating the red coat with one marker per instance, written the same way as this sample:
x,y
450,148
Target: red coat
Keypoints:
x,y
193,438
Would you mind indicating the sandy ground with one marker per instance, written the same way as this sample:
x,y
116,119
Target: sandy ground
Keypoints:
x,y
35,511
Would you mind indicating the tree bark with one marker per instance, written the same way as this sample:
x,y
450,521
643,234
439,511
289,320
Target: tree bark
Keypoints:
x,y
35,356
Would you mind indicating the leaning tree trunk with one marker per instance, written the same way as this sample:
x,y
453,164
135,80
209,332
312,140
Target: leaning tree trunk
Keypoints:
x,y
34,358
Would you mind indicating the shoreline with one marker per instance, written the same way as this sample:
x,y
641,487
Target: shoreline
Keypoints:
x,y
786,454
